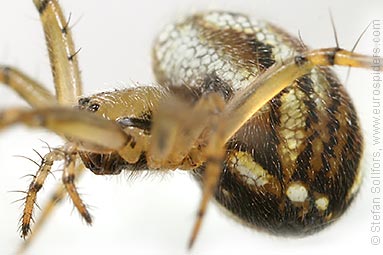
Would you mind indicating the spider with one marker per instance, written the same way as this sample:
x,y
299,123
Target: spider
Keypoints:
x,y
203,120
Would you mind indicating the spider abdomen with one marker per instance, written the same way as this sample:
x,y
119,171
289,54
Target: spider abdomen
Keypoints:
x,y
294,166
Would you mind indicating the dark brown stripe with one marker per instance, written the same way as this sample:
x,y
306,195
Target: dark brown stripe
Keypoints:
x,y
303,161
328,148
128,139
42,6
346,173
264,53
333,126
325,163
6,72
36,187
133,144
68,179
271,156
306,85
87,217
332,111
25,229
331,56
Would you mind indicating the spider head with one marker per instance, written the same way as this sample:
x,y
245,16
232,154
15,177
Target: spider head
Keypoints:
x,y
129,107
132,109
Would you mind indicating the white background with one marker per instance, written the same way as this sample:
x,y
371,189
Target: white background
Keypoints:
x,y
154,215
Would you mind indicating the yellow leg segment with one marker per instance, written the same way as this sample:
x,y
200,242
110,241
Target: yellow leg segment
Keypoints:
x,y
62,53
30,90
69,176
34,188
83,126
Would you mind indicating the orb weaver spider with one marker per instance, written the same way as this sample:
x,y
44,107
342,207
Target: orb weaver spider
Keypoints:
x,y
142,123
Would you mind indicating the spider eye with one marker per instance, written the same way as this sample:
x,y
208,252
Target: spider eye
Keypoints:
x,y
93,107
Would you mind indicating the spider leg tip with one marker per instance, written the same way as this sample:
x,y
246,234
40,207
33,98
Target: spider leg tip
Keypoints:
x,y
25,229
88,219
191,243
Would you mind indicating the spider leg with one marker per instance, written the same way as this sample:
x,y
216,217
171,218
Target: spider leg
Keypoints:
x,y
68,154
215,154
56,197
35,186
68,178
62,53
93,132
46,211
30,90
